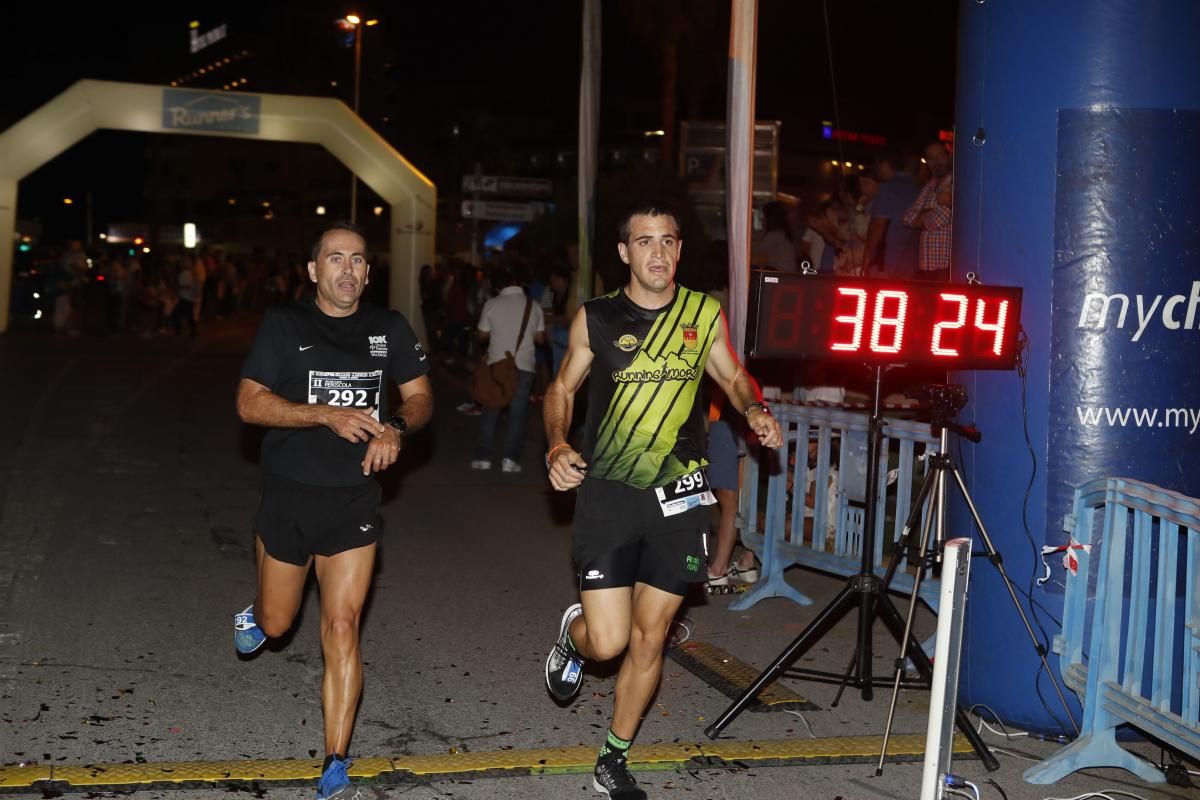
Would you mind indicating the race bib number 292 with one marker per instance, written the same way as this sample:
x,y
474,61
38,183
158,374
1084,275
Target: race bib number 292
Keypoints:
x,y
348,389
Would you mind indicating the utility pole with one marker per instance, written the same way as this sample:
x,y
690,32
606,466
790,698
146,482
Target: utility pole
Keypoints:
x,y
475,259
357,23
357,76
87,224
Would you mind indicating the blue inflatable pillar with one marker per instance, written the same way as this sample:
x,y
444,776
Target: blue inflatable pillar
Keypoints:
x,y
1077,145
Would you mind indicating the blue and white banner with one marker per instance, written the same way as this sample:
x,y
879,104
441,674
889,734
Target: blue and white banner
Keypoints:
x,y
1125,329
210,111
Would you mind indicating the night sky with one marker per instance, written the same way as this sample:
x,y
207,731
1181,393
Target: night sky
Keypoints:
x,y
506,73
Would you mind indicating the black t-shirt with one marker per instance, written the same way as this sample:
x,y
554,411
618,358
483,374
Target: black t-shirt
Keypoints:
x,y
306,356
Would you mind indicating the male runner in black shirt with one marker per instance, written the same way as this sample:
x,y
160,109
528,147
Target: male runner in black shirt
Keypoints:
x,y
318,377
640,522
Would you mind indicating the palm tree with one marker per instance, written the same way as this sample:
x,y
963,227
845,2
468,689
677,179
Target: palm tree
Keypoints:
x,y
671,25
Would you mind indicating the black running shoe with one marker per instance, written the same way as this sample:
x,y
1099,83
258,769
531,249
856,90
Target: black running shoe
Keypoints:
x,y
611,777
564,665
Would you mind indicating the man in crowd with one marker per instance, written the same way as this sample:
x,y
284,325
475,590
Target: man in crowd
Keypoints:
x,y
640,523
67,284
510,323
891,247
317,378
931,214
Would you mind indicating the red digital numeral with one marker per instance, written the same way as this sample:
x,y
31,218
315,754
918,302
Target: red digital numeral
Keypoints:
x,y
855,320
996,327
785,320
895,322
936,346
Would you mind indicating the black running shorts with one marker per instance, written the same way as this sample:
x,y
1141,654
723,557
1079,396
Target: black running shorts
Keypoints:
x,y
622,538
297,520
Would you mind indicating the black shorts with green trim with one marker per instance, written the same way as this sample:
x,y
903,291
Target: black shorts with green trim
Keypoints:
x,y
622,537
297,520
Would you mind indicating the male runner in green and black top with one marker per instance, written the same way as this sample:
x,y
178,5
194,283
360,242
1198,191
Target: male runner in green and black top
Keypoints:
x,y
640,522
317,377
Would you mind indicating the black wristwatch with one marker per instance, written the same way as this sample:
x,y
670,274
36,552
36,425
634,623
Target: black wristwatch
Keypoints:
x,y
399,423
759,405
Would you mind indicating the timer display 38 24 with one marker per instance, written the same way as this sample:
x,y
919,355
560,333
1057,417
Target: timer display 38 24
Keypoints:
x,y
959,326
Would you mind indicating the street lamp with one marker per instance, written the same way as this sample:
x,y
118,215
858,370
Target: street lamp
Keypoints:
x,y
356,23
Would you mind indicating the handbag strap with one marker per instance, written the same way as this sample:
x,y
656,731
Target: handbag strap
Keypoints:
x,y
524,323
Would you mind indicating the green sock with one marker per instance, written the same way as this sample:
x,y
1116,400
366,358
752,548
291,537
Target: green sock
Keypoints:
x,y
615,746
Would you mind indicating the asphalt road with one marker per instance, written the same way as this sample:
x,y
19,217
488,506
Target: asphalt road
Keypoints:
x,y
127,486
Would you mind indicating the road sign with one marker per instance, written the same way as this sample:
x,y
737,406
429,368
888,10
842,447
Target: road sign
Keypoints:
x,y
504,185
480,183
500,211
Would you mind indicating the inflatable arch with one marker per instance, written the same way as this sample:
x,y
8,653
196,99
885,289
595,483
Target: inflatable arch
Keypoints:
x,y
90,105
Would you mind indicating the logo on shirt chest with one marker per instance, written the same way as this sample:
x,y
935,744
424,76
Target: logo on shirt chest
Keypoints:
x,y
690,337
627,343
378,346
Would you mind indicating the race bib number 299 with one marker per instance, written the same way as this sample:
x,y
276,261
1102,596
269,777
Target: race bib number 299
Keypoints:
x,y
348,389
684,493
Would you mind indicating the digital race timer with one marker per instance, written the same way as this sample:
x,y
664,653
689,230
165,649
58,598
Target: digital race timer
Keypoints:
x,y
960,326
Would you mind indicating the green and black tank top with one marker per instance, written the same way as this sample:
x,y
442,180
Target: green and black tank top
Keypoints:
x,y
645,426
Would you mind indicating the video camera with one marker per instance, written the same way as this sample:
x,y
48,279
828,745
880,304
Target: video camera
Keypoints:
x,y
944,400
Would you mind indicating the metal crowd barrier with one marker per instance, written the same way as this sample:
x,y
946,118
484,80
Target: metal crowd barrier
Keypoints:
x,y
776,527
1130,646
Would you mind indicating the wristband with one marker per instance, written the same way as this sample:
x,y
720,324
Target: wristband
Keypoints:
x,y
759,405
553,450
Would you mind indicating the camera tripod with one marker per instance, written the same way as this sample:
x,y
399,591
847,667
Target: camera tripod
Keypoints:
x,y
866,592
929,551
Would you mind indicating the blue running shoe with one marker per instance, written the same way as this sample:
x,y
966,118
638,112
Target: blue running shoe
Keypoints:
x,y
335,783
247,636
564,665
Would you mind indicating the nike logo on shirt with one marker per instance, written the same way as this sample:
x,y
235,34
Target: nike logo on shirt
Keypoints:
x,y
310,347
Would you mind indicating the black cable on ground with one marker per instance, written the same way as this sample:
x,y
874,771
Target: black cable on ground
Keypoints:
x,y
1034,605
